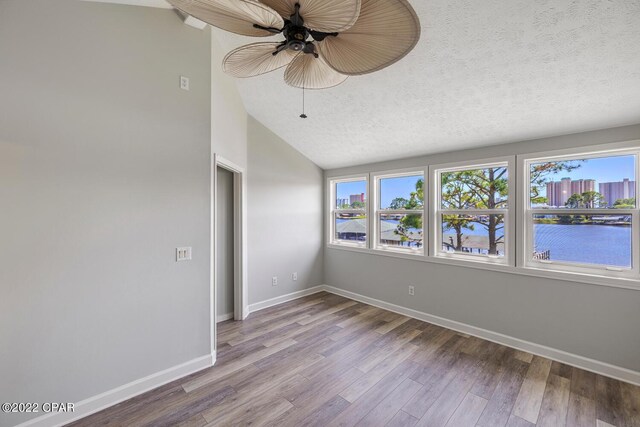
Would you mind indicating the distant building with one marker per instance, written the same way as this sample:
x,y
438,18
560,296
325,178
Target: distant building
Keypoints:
x,y
612,191
558,192
356,198
342,202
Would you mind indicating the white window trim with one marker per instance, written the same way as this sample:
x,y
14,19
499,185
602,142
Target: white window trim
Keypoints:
x,y
331,184
526,213
517,227
376,212
435,242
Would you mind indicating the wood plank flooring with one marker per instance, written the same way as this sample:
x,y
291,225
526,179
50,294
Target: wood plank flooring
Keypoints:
x,y
324,360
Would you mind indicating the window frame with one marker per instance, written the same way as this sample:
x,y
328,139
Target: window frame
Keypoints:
x,y
526,213
377,211
333,210
437,211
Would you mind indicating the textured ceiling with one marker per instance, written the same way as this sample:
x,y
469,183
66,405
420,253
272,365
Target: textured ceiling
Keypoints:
x,y
484,72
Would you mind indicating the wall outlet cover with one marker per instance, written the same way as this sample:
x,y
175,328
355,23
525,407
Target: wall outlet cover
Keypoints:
x,y
183,254
184,83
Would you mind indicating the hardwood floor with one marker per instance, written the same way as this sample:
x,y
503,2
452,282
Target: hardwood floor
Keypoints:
x,y
325,360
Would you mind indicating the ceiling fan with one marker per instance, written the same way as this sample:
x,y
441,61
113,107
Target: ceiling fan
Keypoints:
x,y
325,41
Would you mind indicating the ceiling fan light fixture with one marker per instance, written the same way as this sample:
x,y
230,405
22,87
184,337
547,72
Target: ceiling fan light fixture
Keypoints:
x,y
325,41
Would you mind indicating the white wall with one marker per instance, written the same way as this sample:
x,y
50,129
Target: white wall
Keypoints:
x,y
285,216
592,321
104,171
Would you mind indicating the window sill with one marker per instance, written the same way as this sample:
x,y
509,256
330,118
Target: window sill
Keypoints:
x,y
589,279
484,259
349,247
399,253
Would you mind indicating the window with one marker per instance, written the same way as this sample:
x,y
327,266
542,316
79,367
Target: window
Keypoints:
x,y
581,213
399,212
349,211
472,212
576,214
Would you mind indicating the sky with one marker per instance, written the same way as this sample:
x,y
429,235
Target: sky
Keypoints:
x,y
608,169
345,189
390,188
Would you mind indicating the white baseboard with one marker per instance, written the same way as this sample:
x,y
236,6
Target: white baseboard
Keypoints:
x,y
581,362
223,317
285,298
112,397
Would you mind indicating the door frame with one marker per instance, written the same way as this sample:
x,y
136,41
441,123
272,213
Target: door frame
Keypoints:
x,y
240,293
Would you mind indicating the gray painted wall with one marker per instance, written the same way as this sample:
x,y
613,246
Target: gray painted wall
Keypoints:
x,y
224,242
104,171
588,320
285,218
228,116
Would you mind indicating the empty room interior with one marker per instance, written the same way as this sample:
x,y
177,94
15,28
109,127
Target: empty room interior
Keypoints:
x,y
319,213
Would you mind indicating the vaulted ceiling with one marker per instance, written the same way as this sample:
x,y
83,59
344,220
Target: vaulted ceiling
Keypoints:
x,y
484,72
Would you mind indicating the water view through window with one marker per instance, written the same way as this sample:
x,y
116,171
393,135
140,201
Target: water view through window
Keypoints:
x,y
576,186
584,239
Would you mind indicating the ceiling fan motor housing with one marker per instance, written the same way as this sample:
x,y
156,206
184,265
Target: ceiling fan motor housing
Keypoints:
x,y
296,37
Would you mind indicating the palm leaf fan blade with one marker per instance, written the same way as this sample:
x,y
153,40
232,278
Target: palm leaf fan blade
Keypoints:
x,y
309,72
255,59
236,16
385,32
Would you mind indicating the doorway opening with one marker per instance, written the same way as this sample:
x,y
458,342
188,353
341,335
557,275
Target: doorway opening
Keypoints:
x,y
224,245
228,249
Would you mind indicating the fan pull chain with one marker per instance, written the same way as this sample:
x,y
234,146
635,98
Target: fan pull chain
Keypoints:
x,y
303,115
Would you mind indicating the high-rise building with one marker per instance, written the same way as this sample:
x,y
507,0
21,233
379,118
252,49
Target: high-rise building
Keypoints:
x,y
558,192
342,202
356,198
612,191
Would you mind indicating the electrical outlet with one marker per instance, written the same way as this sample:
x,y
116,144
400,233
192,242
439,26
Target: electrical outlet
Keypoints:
x,y
183,254
294,276
274,281
184,83
412,290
